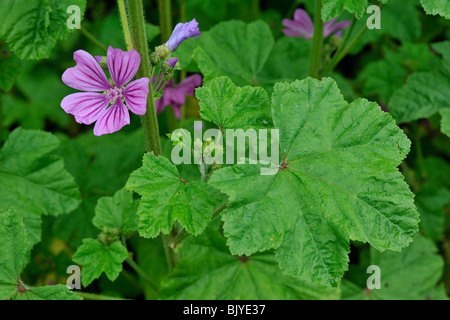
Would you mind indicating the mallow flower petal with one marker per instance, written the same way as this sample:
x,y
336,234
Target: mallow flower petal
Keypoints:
x,y
188,85
302,15
177,110
122,65
182,32
136,94
330,27
299,28
85,106
87,75
174,96
292,33
112,119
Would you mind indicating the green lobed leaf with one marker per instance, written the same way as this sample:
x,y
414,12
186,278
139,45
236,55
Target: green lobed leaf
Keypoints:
x,y
207,270
96,258
338,181
445,122
32,27
288,61
234,49
100,168
333,9
231,107
382,78
411,274
117,212
53,292
414,57
166,197
425,93
32,181
14,255
437,7
9,68
14,251
431,201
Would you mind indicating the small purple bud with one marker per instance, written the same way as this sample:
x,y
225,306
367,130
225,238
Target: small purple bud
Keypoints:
x,y
182,32
172,62
100,59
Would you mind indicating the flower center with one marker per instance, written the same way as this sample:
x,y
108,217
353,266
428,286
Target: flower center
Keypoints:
x,y
113,93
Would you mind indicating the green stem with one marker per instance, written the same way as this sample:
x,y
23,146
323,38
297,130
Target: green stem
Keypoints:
x,y
183,73
165,19
165,23
141,273
256,9
1,116
170,253
183,234
93,296
94,40
335,61
125,27
419,151
316,54
183,10
203,170
139,43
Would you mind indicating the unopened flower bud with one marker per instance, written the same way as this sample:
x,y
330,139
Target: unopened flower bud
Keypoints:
x,y
154,60
162,52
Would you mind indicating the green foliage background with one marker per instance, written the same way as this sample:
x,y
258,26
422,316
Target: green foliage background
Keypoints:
x,y
308,232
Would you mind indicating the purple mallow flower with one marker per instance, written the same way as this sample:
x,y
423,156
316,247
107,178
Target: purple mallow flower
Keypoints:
x,y
303,27
108,109
175,96
182,32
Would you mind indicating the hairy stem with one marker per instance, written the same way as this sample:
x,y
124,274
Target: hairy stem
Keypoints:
x,y
419,151
334,61
170,254
165,19
183,10
141,273
183,73
256,12
165,24
316,54
337,58
124,21
183,234
139,43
